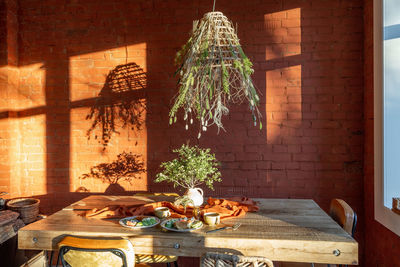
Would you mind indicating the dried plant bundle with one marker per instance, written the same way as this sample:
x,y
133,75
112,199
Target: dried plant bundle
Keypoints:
x,y
213,72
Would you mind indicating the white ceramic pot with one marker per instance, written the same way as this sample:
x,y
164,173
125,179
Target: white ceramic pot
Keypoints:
x,y
196,195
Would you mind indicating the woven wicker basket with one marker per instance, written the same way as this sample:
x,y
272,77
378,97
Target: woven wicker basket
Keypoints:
x,y
211,259
28,208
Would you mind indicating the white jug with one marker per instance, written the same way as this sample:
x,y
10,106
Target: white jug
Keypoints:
x,y
196,195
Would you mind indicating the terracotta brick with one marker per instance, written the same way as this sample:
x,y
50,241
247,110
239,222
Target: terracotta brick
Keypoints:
x,y
308,61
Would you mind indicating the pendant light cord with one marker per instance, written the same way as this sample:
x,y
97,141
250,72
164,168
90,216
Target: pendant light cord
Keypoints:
x,y
214,6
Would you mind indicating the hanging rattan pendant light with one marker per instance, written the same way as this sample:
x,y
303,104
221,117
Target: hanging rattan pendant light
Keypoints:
x,y
213,73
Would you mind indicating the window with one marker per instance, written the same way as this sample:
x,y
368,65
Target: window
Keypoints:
x,y
387,110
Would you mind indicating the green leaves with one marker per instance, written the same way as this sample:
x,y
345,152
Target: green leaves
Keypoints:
x,y
225,77
192,167
247,66
213,73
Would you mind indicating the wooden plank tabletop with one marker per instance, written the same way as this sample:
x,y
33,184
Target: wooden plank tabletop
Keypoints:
x,y
295,230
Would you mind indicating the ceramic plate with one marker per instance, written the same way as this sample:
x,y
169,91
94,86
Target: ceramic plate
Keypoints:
x,y
178,230
124,221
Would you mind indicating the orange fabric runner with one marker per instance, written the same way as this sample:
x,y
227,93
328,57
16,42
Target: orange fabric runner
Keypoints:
x,y
227,208
233,207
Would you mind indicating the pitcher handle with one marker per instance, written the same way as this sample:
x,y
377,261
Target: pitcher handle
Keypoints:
x,y
200,190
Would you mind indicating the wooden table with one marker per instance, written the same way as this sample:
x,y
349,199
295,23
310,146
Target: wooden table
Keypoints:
x,y
295,230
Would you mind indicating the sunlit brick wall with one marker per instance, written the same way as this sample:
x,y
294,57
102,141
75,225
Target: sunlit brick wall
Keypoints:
x,y
307,58
308,61
8,82
87,76
4,167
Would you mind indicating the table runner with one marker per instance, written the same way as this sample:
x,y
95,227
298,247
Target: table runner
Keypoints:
x,y
227,208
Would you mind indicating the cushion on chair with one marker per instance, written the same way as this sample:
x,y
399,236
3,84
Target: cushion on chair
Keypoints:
x,y
76,257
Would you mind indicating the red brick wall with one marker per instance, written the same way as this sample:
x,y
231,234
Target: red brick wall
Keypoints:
x,y
381,245
3,33
12,31
307,57
8,82
4,170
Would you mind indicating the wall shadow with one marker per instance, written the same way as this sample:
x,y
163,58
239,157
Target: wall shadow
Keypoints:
x,y
119,101
310,145
125,168
58,126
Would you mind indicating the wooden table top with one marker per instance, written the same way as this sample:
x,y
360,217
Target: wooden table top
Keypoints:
x,y
295,230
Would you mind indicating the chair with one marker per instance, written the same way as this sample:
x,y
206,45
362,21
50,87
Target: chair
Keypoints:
x,y
345,216
90,252
139,258
228,260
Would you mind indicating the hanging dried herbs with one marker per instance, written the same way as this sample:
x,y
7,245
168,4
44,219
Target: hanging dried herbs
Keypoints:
x,y
213,73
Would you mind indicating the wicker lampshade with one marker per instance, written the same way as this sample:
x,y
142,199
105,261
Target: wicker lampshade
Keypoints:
x,y
213,72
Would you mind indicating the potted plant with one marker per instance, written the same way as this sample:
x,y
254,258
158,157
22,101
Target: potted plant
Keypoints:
x,y
193,167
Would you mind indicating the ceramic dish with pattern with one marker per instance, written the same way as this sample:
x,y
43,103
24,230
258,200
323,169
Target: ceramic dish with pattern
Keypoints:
x,y
182,225
139,222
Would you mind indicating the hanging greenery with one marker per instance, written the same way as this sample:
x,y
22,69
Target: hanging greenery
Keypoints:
x,y
213,72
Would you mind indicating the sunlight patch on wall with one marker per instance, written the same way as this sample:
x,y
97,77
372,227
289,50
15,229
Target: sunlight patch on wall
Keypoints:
x,y
284,73
25,121
283,33
108,121
28,163
283,101
88,72
88,154
25,87
31,89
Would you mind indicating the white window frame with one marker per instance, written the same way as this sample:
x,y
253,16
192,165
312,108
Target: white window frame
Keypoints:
x,y
383,214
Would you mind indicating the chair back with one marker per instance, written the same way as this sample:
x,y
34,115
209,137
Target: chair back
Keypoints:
x,y
90,252
344,215
229,260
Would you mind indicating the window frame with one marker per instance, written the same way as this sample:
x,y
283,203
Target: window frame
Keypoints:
x,y
384,215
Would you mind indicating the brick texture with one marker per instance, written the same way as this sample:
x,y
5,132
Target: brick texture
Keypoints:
x,y
8,81
3,33
308,61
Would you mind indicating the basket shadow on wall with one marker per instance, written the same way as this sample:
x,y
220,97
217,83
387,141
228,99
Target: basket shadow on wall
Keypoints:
x,y
120,103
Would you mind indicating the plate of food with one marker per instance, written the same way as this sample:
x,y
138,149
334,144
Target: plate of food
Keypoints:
x,y
138,222
182,225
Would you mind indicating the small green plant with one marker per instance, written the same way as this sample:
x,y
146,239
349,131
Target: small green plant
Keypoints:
x,y
192,167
